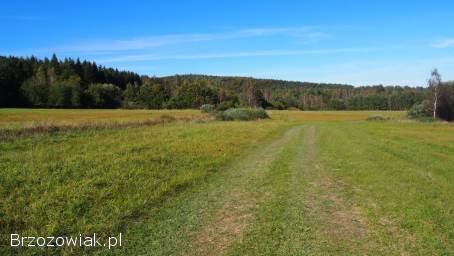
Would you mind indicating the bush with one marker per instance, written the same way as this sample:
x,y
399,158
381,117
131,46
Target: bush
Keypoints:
x,y
225,105
207,108
377,118
242,114
278,105
419,111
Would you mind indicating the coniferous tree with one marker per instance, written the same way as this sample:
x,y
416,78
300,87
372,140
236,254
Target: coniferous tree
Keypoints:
x,y
65,83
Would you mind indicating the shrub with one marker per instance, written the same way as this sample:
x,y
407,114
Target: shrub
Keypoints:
x,y
278,105
242,114
377,118
207,108
225,105
419,111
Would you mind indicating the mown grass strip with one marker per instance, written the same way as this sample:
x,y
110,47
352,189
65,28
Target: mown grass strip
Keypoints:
x,y
232,219
277,227
408,203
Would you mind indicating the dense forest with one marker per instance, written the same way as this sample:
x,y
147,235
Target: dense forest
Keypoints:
x,y
69,83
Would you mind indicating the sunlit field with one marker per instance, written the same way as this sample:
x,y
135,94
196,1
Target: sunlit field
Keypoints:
x,y
295,184
304,116
17,118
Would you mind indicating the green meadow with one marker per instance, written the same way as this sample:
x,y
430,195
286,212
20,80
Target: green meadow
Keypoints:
x,y
299,183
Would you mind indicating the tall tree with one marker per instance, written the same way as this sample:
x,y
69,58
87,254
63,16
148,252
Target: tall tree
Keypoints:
x,y
434,84
252,96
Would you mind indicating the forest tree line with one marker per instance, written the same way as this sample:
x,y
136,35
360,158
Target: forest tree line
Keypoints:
x,y
439,100
69,83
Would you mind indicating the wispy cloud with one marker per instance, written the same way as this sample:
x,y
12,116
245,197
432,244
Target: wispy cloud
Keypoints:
x,y
444,43
152,57
148,42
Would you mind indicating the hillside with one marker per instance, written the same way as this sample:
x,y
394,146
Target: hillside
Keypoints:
x,y
69,83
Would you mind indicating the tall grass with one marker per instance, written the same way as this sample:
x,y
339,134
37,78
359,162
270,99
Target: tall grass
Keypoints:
x,y
21,118
49,128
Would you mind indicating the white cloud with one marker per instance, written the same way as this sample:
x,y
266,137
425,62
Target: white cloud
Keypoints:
x,y
94,46
151,57
444,43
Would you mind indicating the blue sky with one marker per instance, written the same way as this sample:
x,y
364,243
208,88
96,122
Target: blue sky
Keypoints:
x,y
355,42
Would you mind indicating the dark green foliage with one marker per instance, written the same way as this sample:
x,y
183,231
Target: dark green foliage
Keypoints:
x,y
152,96
130,96
66,93
35,92
224,105
336,104
13,72
242,114
26,82
192,95
419,110
104,96
277,104
374,102
445,109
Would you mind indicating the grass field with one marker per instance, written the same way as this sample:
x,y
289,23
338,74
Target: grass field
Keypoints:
x,y
300,183
20,118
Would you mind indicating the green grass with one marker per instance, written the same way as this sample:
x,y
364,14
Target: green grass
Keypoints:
x,y
402,176
300,183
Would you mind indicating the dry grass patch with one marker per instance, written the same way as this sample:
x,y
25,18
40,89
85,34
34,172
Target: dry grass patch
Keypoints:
x,y
331,115
20,118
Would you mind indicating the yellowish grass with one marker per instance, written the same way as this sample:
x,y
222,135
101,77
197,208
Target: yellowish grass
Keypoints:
x,y
332,115
20,118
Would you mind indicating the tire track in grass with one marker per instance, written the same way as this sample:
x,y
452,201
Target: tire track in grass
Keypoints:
x,y
403,227
278,227
239,201
340,226
305,212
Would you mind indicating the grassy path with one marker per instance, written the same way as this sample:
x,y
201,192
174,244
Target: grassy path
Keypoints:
x,y
279,200
207,220
203,220
304,213
289,197
240,199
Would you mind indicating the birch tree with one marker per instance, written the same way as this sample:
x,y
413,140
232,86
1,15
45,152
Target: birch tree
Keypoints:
x,y
434,83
